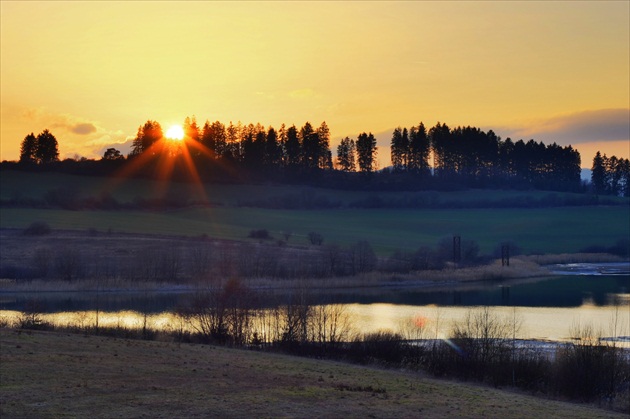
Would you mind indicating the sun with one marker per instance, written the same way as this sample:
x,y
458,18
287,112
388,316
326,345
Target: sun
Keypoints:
x,y
175,132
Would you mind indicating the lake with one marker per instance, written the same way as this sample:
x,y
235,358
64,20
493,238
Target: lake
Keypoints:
x,y
578,295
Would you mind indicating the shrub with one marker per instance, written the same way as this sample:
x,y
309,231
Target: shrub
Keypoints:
x,y
382,346
315,238
31,316
363,257
259,234
67,263
588,369
38,228
63,197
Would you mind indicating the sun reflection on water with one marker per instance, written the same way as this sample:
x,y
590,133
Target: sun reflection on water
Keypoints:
x,y
413,322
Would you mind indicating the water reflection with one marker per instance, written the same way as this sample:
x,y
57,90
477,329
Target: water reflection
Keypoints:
x,y
563,291
548,308
426,322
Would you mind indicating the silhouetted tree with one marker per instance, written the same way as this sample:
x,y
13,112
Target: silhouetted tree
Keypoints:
x,y
419,150
610,175
191,129
366,152
113,154
28,149
324,156
598,174
624,184
310,146
273,150
614,175
505,159
399,149
292,148
148,135
346,155
47,148
253,139
214,138
363,258
442,161
233,147
624,188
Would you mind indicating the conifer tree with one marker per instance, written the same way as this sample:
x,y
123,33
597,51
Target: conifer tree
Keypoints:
x,y
28,149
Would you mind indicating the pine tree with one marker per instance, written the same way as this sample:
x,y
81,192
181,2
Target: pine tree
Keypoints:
x,y
346,155
292,148
323,147
366,152
419,150
146,137
598,174
396,149
47,148
28,149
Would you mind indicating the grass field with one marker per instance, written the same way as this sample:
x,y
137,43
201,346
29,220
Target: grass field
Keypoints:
x,y
36,185
549,230
51,375
535,230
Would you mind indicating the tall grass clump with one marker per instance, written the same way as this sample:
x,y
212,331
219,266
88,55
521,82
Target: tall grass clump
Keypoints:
x,y
37,228
590,369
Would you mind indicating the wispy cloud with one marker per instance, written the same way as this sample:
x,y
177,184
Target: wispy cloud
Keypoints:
x,y
83,129
302,93
603,125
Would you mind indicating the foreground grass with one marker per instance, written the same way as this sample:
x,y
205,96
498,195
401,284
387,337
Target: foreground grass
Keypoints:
x,y
47,374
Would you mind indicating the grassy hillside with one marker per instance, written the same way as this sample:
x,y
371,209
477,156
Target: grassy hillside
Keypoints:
x,y
535,230
53,375
35,186
549,230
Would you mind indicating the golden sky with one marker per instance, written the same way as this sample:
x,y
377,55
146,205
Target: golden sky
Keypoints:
x,y
92,72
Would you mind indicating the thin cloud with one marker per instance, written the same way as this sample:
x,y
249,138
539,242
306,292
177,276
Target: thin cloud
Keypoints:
x,y
83,129
603,125
302,93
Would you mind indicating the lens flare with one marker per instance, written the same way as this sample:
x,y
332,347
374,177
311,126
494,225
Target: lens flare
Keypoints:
x,y
175,132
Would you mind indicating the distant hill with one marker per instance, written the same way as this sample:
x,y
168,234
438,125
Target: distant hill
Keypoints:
x,y
586,174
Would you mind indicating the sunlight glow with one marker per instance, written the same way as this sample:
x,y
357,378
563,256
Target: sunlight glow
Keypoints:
x,y
175,132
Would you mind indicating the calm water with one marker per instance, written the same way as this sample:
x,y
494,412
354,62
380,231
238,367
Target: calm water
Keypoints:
x,y
548,308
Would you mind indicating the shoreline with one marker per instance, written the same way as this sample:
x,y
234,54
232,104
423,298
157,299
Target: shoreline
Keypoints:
x,y
525,271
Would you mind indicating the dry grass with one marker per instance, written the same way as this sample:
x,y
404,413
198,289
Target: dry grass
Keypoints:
x,y
19,250
46,374
573,258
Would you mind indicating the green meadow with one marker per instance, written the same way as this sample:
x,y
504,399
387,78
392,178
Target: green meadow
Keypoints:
x,y
564,229
15,184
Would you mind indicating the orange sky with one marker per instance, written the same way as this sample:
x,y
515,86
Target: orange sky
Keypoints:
x,y
92,72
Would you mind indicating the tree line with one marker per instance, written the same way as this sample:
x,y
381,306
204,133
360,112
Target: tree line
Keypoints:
x,y
42,149
438,157
610,175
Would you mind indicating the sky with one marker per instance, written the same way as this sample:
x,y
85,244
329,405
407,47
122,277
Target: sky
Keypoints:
x,y
93,72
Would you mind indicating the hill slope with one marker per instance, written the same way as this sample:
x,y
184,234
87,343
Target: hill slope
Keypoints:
x,y
52,374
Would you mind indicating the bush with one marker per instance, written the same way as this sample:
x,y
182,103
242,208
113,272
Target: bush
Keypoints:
x,y
38,228
588,369
63,197
67,263
259,234
382,346
315,238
